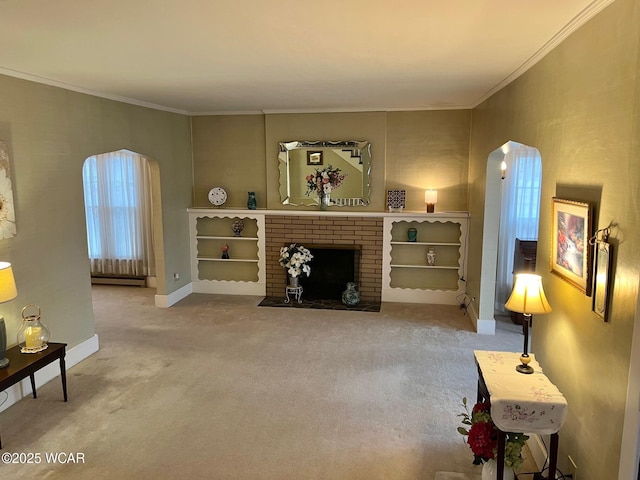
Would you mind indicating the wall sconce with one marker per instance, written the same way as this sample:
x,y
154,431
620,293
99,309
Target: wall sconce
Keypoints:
x,y
8,292
527,297
503,169
431,198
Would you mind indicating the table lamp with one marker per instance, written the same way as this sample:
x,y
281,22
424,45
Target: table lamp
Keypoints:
x,y
527,298
431,198
7,292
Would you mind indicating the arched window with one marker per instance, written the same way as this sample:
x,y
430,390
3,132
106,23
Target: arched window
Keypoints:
x,y
118,207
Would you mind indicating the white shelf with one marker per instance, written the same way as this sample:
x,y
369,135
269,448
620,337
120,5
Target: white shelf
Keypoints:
x,y
244,272
436,267
430,244
406,276
243,260
209,237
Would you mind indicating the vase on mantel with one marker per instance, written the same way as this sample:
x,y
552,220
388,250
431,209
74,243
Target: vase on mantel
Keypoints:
x,y
294,282
324,200
490,470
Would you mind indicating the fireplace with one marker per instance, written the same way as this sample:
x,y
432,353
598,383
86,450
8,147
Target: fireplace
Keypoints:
x,y
361,234
332,267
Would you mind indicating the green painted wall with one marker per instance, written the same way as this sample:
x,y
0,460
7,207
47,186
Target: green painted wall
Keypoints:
x,y
50,132
579,106
410,150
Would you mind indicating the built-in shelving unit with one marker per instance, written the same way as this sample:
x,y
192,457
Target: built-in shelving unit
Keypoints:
x,y
243,272
407,276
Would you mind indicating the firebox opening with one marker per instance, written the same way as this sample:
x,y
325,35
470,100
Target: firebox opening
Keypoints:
x,y
332,267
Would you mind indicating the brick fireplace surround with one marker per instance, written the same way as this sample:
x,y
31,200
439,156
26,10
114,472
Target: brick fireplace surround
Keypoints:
x,y
281,230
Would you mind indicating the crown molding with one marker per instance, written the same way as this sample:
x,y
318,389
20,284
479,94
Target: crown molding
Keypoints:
x,y
66,86
583,17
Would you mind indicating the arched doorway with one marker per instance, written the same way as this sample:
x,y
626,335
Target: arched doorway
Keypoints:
x,y
124,222
492,247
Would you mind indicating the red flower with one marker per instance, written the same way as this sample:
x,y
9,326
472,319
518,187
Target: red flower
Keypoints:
x,y
483,438
481,407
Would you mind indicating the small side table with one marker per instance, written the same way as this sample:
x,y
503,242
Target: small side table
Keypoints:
x,y
519,402
25,365
296,292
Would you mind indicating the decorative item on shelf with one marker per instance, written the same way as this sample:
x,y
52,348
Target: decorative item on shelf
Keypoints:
x,y
351,296
217,196
237,227
431,198
295,259
412,235
431,256
482,437
396,200
527,298
8,292
252,203
33,335
225,251
322,183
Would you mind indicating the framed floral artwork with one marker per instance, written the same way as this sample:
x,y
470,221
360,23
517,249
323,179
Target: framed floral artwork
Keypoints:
x,y
570,234
7,212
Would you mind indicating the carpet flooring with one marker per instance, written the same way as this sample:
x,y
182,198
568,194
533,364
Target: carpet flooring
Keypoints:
x,y
218,388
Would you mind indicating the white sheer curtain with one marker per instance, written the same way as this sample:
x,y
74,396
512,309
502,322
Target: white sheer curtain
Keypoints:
x,y
520,213
117,195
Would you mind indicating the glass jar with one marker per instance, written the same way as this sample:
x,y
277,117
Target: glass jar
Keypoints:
x,y
33,335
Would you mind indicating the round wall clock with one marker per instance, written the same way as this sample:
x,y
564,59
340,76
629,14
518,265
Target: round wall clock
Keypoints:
x,y
217,196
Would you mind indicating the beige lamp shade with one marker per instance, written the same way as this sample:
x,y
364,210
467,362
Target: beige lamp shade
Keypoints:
x,y
8,289
430,196
528,295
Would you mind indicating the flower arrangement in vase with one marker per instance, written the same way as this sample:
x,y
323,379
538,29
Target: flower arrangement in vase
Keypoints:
x,y
295,259
323,182
482,437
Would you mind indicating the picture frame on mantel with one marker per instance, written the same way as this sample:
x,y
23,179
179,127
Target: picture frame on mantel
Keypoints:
x,y
570,250
314,157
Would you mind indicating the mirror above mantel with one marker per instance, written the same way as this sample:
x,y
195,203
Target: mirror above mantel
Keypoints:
x,y
299,159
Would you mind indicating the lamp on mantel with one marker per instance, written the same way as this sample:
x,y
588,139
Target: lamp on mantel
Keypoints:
x,y
431,198
527,298
7,292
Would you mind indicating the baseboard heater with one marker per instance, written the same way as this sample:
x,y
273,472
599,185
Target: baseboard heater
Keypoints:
x,y
118,280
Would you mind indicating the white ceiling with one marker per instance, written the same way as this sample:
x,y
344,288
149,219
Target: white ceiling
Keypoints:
x,y
217,56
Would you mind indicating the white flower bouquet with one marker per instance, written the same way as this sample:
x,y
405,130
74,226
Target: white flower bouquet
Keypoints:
x,y
295,259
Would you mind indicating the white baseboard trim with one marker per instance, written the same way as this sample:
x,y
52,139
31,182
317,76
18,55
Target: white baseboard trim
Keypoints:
x,y
538,450
165,301
72,357
486,327
483,327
